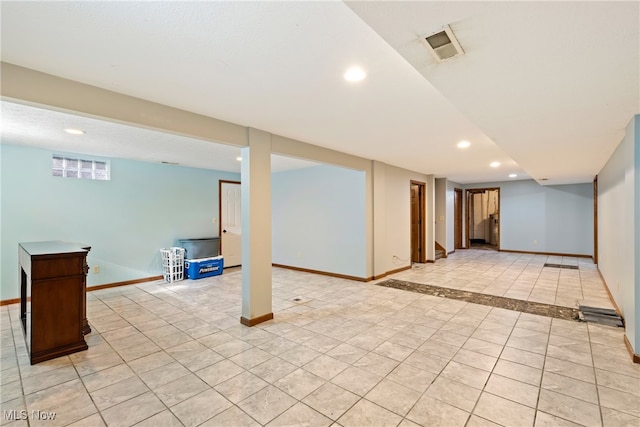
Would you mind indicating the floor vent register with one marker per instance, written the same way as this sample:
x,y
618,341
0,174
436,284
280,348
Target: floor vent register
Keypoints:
x,y
602,316
569,267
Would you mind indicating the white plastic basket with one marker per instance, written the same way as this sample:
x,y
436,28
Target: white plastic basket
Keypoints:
x,y
173,264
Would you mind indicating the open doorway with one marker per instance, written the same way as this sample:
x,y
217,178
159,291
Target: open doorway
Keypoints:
x,y
457,221
483,218
230,224
418,253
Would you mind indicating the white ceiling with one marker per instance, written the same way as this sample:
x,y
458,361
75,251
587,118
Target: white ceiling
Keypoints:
x,y
545,88
40,128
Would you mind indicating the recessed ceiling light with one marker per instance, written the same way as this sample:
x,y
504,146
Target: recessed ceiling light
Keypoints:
x,y
354,74
239,158
74,131
513,175
494,164
464,144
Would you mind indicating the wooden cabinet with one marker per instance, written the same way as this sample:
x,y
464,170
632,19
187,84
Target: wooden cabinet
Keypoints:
x,y
53,298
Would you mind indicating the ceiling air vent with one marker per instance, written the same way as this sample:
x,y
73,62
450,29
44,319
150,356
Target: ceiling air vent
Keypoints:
x,y
442,44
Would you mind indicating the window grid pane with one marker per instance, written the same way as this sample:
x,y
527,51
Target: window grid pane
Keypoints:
x,y
80,168
86,164
71,163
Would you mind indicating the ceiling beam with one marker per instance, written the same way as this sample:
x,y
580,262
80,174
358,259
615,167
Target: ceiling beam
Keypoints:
x,y
27,86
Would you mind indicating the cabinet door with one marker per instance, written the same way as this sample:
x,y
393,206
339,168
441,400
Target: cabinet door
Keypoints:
x,y
56,312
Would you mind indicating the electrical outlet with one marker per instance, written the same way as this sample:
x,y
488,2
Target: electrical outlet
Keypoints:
x,y
96,269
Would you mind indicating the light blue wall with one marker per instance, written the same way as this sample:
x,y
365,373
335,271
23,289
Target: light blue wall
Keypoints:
x,y
619,228
553,218
318,216
145,207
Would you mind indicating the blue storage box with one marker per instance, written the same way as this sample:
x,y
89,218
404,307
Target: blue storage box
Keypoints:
x,y
203,267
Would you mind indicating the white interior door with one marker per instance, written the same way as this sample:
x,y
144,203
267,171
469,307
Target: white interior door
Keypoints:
x,y
231,223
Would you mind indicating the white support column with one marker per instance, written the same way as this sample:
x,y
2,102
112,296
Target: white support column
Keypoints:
x,y
256,229
380,248
430,226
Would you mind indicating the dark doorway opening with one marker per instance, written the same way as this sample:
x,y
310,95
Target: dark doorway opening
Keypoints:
x,y
483,218
418,253
457,221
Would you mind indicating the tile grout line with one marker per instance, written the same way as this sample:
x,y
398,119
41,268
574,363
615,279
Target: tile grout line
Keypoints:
x,y
98,411
546,349
544,363
491,373
360,398
127,364
595,377
363,397
451,359
536,281
163,350
15,354
437,376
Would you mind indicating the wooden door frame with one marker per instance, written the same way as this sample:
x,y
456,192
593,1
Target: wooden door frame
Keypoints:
x,y
220,182
458,219
595,219
422,187
471,191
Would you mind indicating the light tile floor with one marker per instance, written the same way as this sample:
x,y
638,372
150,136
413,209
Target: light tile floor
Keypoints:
x,y
518,276
346,354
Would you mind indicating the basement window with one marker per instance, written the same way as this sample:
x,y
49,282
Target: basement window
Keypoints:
x,y
70,167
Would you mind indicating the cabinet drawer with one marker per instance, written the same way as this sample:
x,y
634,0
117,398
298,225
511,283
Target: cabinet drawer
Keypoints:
x,y
52,266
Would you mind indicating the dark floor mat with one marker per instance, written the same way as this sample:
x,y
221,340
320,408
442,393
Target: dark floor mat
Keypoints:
x,y
549,310
569,267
